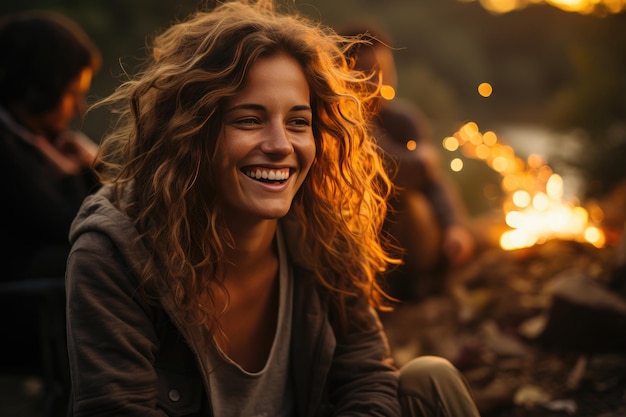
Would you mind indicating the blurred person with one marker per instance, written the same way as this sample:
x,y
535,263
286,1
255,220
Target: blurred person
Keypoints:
x,y
46,65
229,264
605,190
428,219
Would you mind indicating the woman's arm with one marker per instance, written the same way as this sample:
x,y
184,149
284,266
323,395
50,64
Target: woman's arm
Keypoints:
x,y
363,379
111,335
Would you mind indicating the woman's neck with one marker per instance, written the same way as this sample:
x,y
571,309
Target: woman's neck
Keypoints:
x,y
254,246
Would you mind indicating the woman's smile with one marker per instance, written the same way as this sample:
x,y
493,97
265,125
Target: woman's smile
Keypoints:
x,y
268,175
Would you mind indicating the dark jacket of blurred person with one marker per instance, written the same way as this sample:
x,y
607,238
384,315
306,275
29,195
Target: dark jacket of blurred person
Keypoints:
x,y
428,219
46,65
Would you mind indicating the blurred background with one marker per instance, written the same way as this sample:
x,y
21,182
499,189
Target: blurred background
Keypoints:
x,y
556,71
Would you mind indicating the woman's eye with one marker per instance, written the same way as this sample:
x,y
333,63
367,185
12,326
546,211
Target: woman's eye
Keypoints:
x,y
246,122
300,122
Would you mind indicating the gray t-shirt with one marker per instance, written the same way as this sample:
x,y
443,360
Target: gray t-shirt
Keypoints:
x,y
236,392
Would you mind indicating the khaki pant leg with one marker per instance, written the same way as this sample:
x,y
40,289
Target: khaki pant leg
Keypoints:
x,y
431,386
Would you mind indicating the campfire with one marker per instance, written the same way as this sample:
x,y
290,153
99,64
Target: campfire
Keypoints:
x,y
534,206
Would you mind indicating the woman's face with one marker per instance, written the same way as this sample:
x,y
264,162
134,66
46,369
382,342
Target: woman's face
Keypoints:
x,y
267,147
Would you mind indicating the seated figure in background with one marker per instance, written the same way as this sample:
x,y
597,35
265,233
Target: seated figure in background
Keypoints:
x,y
428,219
46,66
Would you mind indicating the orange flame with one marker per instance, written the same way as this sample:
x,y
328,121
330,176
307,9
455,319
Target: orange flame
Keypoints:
x,y
534,207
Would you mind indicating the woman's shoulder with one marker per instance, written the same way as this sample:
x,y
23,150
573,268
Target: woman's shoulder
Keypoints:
x,y
99,213
101,227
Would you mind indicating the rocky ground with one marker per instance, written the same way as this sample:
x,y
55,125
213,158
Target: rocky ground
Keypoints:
x,y
534,331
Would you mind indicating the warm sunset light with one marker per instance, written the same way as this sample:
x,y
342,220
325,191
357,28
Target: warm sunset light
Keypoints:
x,y
534,206
579,6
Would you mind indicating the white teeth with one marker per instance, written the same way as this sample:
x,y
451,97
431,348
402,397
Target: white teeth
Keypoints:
x,y
271,175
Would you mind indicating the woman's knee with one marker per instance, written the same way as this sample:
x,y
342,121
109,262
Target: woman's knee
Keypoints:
x,y
425,372
431,385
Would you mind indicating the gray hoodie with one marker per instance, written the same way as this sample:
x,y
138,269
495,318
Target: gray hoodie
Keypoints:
x,y
129,357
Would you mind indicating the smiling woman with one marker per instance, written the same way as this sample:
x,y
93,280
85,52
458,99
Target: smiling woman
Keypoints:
x,y
229,265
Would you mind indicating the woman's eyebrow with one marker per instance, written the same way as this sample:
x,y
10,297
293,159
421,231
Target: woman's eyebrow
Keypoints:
x,y
259,107
246,106
302,108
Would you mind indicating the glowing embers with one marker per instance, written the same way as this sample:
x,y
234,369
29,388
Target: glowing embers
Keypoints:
x,y
533,202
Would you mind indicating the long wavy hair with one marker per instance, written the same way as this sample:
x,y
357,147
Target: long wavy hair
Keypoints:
x,y
160,156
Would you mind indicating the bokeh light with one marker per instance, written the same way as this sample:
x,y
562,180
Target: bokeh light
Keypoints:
x,y
485,89
456,164
578,6
387,92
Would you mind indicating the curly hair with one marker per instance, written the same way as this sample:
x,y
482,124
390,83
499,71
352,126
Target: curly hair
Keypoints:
x,y
161,153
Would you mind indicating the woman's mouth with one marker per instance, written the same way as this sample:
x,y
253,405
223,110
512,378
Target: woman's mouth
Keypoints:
x,y
268,175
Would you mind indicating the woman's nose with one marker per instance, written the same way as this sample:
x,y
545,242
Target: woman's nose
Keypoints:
x,y
277,141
